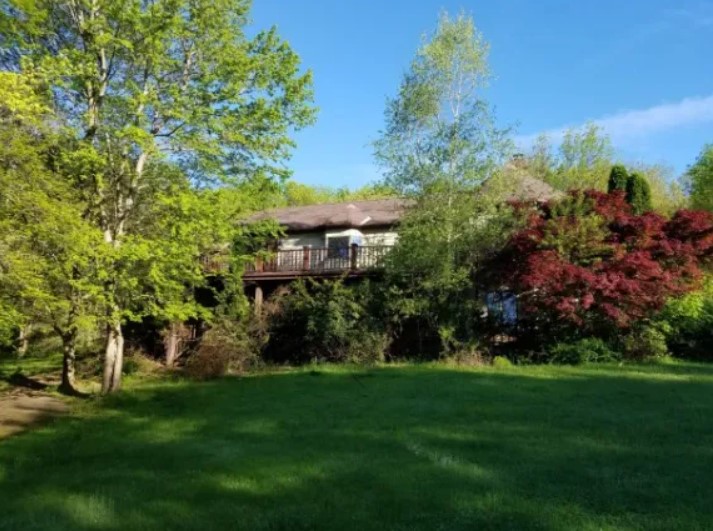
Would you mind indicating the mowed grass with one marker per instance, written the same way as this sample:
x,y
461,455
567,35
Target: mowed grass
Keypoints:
x,y
386,448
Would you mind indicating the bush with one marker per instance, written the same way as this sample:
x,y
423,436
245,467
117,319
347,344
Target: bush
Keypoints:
x,y
137,362
646,342
501,362
208,363
589,350
323,321
687,323
229,346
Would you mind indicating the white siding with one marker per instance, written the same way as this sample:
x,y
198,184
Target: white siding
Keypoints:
x,y
379,237
298,241
318,239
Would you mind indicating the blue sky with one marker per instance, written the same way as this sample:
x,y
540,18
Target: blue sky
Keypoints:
x,y
640,68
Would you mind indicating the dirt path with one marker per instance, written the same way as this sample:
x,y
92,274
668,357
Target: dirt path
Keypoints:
x,y
20,410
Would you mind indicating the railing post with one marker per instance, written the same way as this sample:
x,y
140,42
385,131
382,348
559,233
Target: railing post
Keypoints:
x,y
353,252
258,264
305,257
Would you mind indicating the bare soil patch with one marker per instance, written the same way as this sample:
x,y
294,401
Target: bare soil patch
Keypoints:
x,y
21,409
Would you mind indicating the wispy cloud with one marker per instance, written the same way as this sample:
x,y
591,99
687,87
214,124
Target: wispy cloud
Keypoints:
x,y
626,126
697,15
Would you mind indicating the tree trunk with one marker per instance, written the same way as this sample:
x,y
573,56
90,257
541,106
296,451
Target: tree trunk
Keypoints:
x,y
23,341
69,349
113,358
171,343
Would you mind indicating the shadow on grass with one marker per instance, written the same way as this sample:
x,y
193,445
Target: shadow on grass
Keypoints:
x,y
398,448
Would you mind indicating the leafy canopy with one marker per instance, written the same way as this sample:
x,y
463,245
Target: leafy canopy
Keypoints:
x,y
590,263
700,177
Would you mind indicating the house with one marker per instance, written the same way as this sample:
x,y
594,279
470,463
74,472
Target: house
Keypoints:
x,y
327,240
351,239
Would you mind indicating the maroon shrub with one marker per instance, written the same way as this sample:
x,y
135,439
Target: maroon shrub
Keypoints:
x,y
588,262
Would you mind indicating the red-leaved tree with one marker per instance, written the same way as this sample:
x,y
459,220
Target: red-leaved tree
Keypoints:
x,y
588,262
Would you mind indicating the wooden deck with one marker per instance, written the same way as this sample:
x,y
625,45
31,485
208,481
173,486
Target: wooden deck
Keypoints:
x,y
318,262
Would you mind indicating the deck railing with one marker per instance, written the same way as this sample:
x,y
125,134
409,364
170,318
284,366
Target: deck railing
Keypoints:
x,y
321,260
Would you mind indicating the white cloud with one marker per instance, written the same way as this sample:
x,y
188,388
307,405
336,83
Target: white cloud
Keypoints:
x,y
626,126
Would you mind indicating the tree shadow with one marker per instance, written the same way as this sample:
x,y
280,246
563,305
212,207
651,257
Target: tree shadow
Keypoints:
x,y
396,448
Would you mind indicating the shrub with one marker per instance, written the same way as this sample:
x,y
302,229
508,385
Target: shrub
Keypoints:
x,y
688,323
323,321
587,264
367,348
208,363
588,350
501,362
229,345
647,341
136,361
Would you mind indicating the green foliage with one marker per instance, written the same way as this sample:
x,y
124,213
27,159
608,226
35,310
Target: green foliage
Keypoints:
x,y
501,362
439,146
159,97
618,178
688,323
638,194
298,194
323,321
588,350
50,256
575,232
700,178
583,160
667,192
648,340
439,136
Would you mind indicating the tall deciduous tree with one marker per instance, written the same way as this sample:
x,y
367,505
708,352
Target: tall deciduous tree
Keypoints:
x,y
140,81
439,146
582,160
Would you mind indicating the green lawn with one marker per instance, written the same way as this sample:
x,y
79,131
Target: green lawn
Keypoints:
x,y
389,448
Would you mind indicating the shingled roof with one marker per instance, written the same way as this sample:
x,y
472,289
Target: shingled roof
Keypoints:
x,y
354,214
512,185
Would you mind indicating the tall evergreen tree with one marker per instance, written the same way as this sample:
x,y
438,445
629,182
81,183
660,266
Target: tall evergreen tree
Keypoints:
x,y
439,146
638,193
618,177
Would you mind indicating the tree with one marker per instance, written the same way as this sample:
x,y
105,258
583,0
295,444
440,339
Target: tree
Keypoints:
x,y
439,147
618,177
589,265
667,194
173,80
638,193
49,252
700,177
583,159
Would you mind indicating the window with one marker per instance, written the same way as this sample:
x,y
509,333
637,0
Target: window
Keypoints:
x,y
502,307
338,247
